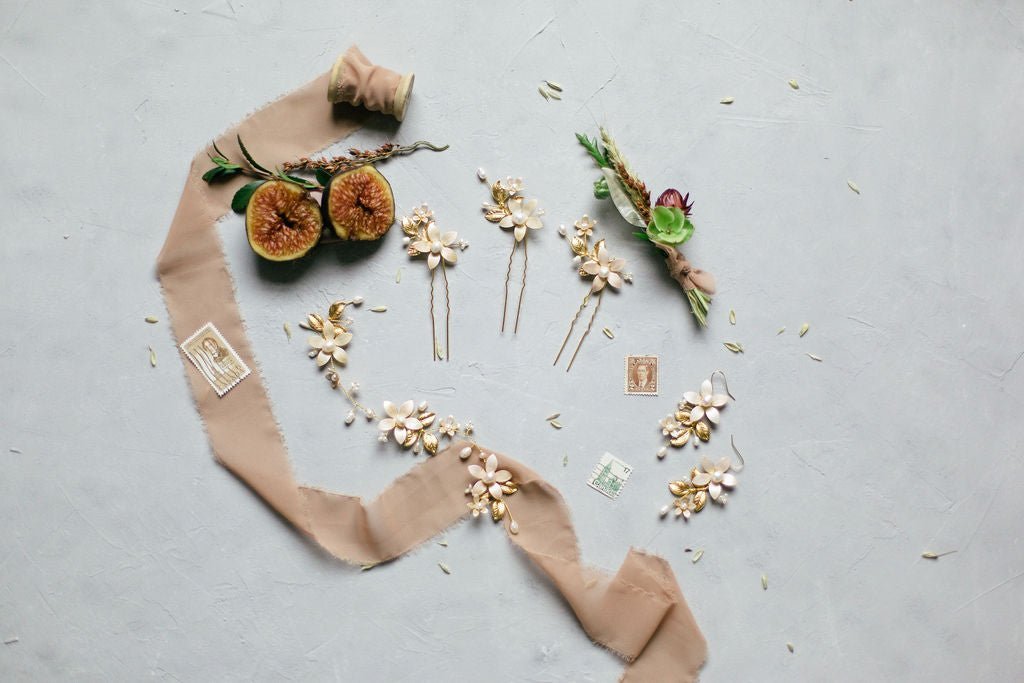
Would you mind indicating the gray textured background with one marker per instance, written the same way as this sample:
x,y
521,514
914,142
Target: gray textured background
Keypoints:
x,y
127,553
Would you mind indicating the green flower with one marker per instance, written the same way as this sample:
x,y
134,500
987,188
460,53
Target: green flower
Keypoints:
x,y
669,225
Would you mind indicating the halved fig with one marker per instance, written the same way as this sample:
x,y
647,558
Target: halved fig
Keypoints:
x,y
359,204
282,221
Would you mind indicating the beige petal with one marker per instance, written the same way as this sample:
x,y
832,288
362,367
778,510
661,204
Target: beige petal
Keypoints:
x,y
597,285
405,410
719,400
495,491
701,479
706,389
691,397
617,264
391,409
433,234
707,465
529,206
449,237
712,414
399,434
322,359
591,267
479,489
422,246
723,464
412,424
501,476
340,355
491,464
520,232
696,414
506,222
715,490
386,425
477,471
534,223
614,280
317,342
449,255
433,260
343,339
729,480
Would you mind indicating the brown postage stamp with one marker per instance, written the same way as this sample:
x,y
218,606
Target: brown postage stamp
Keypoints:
x,y
641,377
215,359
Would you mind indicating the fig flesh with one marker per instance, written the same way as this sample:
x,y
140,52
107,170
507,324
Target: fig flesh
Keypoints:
x,y
359,204
282,221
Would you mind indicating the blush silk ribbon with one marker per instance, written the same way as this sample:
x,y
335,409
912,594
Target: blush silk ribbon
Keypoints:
x,y
638,612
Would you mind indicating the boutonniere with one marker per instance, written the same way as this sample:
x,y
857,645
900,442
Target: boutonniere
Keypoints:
x,y
665,223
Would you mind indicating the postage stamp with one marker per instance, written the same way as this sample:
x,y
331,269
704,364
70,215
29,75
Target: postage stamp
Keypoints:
x,y
215,359
609,476
641,375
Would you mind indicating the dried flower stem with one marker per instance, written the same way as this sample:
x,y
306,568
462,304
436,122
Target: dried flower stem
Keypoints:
x,y
357,157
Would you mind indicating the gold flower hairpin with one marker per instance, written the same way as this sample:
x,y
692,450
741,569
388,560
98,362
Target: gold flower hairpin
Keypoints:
x,y
413,426
424,238
491,489
695,414
711,480
594,263
512,211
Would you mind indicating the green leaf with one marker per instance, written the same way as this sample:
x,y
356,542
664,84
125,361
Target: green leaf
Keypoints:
x,y
640,234
594,150
621,199
601,188
213,174
323,177
248,157
241,199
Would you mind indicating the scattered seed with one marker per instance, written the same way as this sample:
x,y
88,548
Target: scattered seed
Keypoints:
x,y
781,330
727,100
554,95
152,357
733,346
367,567
732,317
789,646
555,423
15,450
697,555
557,87
813,357
935,556
543,92
553,416
398,276
288,331
608,333
804,328
565,461
853,186
11,641
445,568
443,543
793,84
152,319
764,582
379,309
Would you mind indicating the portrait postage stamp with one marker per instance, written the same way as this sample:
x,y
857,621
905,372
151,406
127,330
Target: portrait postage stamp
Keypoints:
x,y
609,476
215,359
641,376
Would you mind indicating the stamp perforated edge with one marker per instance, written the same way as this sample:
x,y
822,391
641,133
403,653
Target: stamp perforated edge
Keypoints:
x,y
625,375
608,459
210,327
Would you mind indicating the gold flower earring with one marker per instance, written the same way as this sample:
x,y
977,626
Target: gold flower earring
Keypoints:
x,y
695,414
514,212
709,481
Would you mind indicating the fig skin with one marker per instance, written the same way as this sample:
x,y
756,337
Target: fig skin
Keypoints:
x,y
282,221
359,204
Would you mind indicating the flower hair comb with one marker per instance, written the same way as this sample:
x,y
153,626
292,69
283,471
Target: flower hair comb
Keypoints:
x,y
512,211
424,238
593,263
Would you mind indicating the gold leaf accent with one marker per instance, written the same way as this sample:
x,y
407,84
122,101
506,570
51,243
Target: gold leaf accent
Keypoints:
x,y
700,499
703,431
578,246
693,473
597,247
499,193
682,416
430,443
427,418
334,312
410,439
498,509
316,322
495,215
509,488
681,439
678,488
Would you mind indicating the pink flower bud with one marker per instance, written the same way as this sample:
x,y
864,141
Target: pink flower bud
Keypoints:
x,y
673,199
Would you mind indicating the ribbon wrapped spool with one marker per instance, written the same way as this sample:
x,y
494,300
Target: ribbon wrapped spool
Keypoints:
x,y
358,81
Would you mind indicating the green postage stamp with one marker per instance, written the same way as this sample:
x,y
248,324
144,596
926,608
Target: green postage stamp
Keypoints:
x,y
609,476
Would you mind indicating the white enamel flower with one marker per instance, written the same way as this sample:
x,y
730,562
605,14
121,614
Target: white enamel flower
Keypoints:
x,y
585,226
477,506
437,245
715,476
522,214
705,402
669,426
330,343
399,420
489,478
605,270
